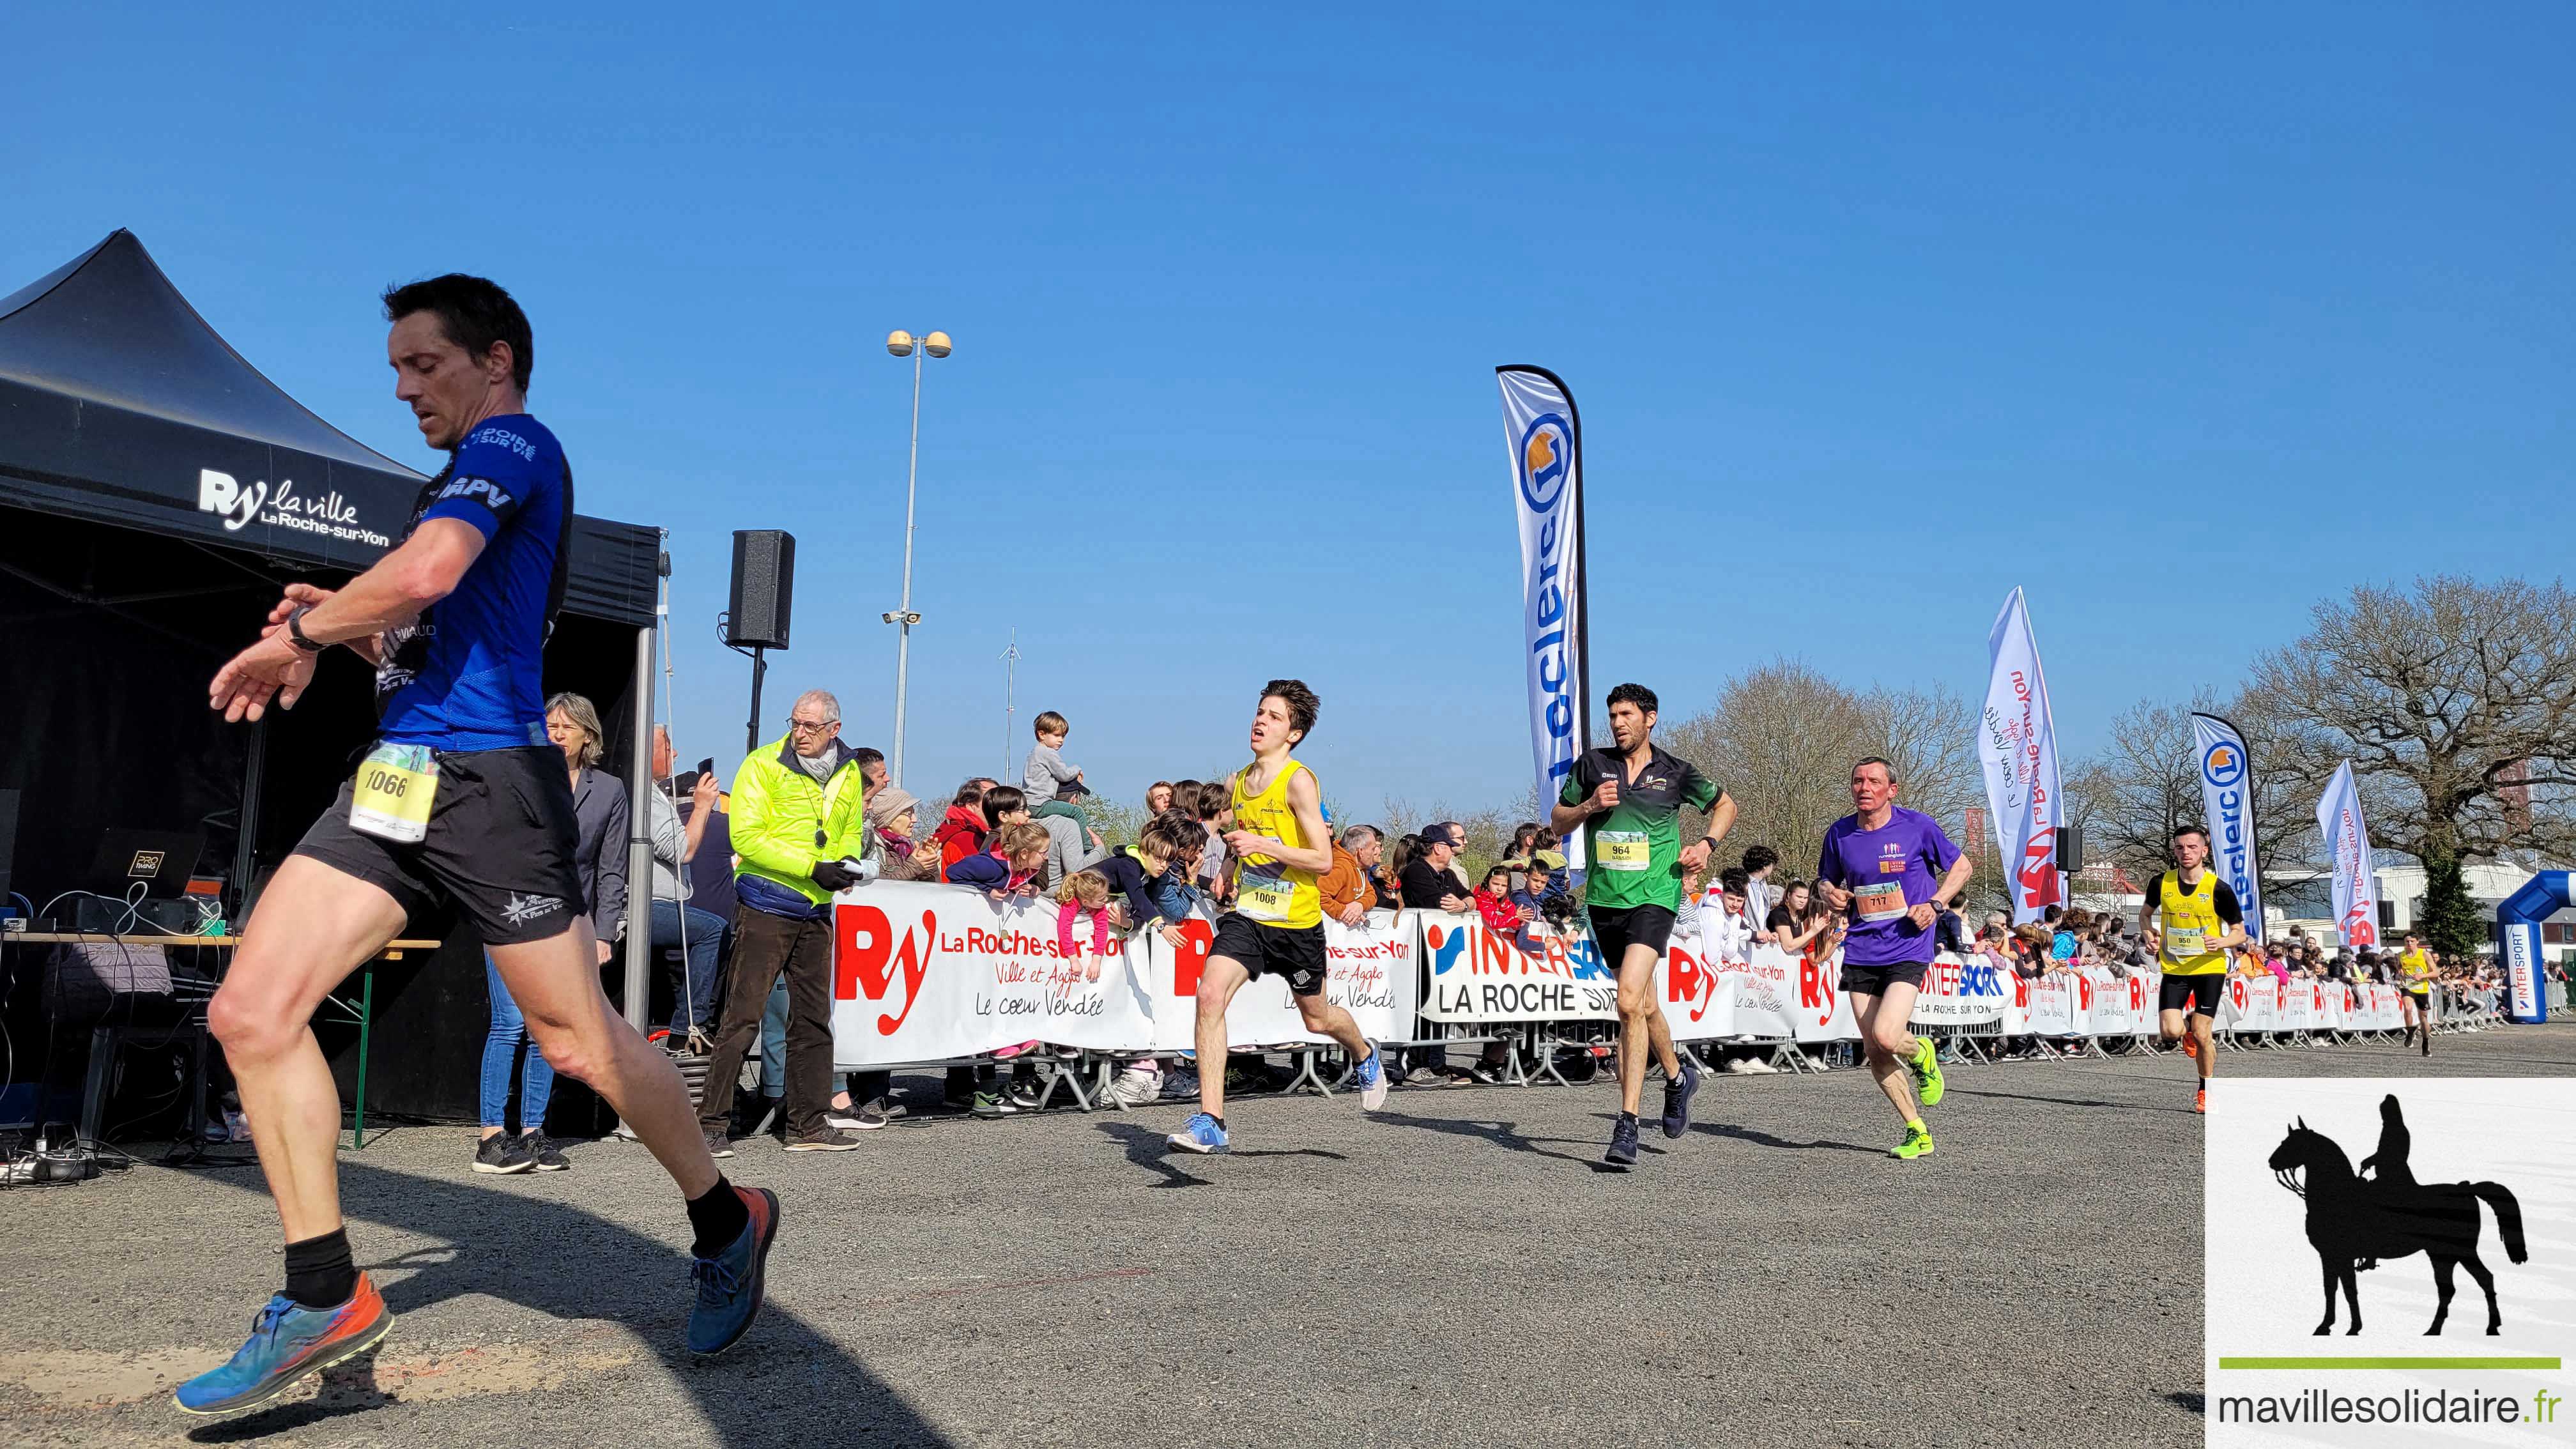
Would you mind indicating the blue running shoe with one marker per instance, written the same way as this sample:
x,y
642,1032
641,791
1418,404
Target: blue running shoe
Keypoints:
x,y
732,1283
1678,1092
1372,1076
1202,1133
288,1341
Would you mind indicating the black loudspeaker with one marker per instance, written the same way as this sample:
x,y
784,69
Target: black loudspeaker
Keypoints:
x,y
764,577
2070,848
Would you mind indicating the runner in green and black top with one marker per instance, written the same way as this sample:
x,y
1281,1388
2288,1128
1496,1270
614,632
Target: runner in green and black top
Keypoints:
x,y
1631,797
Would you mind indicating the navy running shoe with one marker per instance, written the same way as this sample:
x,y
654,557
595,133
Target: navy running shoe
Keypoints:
x,y
732,1283
1678,1092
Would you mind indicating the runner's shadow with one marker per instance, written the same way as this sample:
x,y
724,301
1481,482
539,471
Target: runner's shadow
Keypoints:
x,y
2066,1101
1765,1139
1147,1148
571,1263
1501,1134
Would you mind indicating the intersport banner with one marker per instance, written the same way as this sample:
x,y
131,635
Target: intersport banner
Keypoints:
x,y
1478,974
1543,436
1961,991
2018,744
2227,802
2356,887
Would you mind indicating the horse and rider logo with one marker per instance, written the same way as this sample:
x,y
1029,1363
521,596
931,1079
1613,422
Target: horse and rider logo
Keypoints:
x,y
2358,1219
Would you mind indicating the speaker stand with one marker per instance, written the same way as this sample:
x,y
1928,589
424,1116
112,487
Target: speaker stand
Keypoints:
x,y
759,672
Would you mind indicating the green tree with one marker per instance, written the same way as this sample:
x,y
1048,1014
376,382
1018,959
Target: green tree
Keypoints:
x,y
2451,923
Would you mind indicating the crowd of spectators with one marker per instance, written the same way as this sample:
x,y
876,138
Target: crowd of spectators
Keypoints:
x,y
742,877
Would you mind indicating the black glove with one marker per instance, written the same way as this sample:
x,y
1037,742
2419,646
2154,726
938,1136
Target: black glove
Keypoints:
x,y
831,875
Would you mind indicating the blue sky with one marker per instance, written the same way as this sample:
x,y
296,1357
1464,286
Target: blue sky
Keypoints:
x,y
2180,317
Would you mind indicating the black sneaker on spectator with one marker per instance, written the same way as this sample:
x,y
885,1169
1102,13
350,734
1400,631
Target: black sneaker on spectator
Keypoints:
x,y
1025,1095
503,1153
542,1149
830,1139
1484,1074
993,1104
876,1112
718,1145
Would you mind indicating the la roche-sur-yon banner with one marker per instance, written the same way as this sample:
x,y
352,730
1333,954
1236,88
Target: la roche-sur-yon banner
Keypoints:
x,y
1543,436
2227,800
2018,745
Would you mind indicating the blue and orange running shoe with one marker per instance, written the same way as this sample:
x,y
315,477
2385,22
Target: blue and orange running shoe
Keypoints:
x,y
288,1341
732,1284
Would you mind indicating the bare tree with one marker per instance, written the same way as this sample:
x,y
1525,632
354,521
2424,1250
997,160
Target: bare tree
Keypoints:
x,y
1782,737
2455,702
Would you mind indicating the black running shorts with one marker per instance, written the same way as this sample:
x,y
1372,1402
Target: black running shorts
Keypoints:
x,y
1874,980
2196,994
1294,955
500,847
1618,928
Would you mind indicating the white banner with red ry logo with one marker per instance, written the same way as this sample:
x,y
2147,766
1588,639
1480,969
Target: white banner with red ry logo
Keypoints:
x,y
1756,999
1370,971
925,973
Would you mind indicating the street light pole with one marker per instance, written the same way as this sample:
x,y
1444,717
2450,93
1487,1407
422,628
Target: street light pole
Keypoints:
x,y
900,343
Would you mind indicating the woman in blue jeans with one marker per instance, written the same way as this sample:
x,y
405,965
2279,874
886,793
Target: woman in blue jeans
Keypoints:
x,y
599,859
531,1151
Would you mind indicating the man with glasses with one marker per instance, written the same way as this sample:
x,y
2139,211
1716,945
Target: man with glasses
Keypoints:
x,y
797,825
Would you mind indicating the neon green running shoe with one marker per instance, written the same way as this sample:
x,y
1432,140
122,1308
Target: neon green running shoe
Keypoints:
x,y
1917,1143
1927,1074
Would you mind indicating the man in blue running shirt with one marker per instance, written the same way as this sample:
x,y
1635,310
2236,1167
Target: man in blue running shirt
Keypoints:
x,y
461,806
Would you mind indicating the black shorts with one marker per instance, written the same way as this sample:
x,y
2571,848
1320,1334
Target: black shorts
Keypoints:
x,y
1618,928
500,846
1874,980
1290,953
2195,994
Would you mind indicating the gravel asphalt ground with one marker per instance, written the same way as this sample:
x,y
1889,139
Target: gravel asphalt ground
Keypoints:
x,y
1455,1271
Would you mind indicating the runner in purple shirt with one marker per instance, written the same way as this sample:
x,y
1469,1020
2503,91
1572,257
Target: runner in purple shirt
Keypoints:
x,y
1879,864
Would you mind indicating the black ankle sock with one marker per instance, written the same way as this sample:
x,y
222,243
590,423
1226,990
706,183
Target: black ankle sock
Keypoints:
x,y
718,1217
319,1271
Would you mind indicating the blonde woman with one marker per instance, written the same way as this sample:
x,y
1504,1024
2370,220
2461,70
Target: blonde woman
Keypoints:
x,y
599,858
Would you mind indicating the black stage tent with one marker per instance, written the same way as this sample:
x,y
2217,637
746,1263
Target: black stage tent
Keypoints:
x,y
155,492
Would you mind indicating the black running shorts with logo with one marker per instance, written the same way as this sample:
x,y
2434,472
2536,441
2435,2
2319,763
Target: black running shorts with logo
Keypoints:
x,y
1874,980
1293,955
499,849
2196,994
1615,929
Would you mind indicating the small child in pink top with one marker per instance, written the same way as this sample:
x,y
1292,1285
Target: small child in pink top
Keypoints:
x,y
1084,893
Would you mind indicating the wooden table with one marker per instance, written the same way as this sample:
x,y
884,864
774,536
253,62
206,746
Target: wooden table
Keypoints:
x,y
361,1012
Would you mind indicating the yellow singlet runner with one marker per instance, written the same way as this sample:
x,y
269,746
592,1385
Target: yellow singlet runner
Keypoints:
x,y
1264,889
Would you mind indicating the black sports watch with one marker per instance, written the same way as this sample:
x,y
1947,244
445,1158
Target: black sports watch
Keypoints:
x,y
295,631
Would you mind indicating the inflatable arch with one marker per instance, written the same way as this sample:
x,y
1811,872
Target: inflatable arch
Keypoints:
x,y
2518,927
